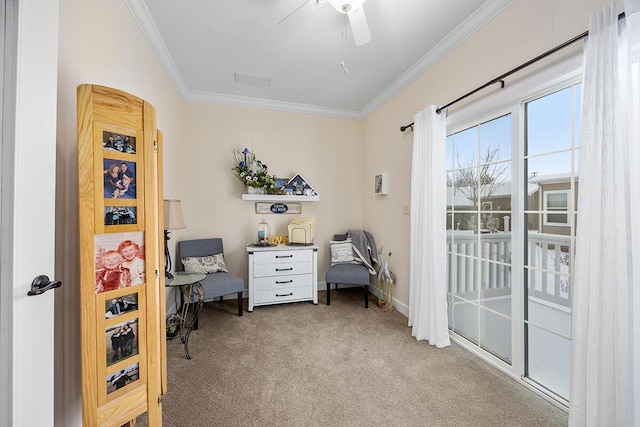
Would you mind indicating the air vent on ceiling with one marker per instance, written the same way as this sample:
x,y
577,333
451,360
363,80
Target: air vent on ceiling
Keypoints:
x,y
252,80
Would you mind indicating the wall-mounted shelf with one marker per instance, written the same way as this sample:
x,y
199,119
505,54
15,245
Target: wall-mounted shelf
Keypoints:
x,y
279,198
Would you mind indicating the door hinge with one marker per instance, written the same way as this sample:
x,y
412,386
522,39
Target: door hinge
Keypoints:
x,y
160,396
155,146
157,273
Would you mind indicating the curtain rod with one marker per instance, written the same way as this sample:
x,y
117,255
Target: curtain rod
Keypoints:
x,y
500,79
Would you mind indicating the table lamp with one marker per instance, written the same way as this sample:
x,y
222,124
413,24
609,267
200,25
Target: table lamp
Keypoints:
x,y
172,221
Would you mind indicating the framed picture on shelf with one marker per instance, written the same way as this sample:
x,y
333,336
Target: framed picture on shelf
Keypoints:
x,y
281,182
298,186
380,183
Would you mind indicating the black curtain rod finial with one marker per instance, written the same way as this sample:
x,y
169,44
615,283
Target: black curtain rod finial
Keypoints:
x,y
403,128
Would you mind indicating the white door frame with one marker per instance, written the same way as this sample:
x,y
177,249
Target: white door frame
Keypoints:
x,y
8,15
27,203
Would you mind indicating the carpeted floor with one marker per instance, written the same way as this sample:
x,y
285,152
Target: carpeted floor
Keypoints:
x,y
340,365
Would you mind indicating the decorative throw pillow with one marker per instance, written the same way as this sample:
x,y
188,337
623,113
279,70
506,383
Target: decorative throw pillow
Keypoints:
x,y
205,264
341,252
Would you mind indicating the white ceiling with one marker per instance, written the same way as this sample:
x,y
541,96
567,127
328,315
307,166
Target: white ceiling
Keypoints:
x,y
202,43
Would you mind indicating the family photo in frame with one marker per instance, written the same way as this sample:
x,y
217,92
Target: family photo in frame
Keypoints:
x,y
119,179
122,341
119,260
120,305
121,378
119,143
120,215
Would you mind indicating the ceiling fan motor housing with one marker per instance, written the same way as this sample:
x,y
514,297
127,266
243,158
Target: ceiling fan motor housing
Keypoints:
x,y
346,6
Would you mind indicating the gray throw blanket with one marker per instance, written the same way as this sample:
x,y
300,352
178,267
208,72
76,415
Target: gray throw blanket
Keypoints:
x,y
364,247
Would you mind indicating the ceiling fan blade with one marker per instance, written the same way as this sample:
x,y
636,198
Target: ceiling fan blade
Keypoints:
x,y
306,7
359,26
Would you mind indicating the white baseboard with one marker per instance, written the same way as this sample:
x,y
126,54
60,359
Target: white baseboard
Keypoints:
x,y
400,307
172,306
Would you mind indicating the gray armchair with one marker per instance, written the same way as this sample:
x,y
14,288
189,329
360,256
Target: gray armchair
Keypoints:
x,y
348,274
215,284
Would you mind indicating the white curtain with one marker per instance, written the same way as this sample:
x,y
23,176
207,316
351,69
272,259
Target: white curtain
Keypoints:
x,y
427,286
605,347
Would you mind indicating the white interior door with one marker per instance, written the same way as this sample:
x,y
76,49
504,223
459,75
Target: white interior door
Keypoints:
x,y
27,198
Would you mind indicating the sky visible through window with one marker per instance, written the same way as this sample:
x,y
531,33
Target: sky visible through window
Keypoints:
x,y
552,121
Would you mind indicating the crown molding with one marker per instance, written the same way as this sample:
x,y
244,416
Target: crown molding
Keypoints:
x,y
474,22
266,104
143,18
468,27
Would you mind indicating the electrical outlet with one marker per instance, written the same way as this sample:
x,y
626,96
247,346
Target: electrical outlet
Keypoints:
x,y
406,209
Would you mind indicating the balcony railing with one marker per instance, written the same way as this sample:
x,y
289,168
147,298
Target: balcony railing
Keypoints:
x,y
547,265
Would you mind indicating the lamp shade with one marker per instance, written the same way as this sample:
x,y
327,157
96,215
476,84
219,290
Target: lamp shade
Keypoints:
x,y
173,215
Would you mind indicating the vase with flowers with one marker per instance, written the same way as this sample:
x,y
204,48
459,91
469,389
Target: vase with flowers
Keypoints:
x,y
252,172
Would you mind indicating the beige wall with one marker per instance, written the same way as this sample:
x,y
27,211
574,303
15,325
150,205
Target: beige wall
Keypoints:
x,y
521,32
100,43
327,152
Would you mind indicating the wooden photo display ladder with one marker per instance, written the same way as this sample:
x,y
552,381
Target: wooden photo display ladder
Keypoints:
x,y
121,288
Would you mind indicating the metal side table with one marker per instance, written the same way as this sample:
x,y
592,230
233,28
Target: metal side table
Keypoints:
x,y
190,285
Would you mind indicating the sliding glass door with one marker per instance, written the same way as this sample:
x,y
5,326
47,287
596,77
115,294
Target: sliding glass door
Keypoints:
x,y
551,159
479,236
511,212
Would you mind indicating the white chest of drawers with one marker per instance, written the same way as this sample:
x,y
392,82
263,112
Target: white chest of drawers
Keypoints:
x,y
281,274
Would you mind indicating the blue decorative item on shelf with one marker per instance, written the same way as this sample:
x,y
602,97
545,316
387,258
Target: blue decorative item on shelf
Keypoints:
x,y
299,186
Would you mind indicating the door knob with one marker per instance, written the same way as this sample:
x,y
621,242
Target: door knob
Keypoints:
x,y
42,284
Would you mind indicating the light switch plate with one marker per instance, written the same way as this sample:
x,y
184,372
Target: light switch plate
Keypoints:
x,y
406,209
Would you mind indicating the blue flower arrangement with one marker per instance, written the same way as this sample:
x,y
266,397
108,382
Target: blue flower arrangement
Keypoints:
x,y
251,171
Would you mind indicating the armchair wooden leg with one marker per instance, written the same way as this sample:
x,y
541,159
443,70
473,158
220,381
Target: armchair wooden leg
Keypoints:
x,y
239,303
328,293
366,296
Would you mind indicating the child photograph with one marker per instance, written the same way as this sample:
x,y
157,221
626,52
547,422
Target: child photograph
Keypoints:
x,y
119,260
